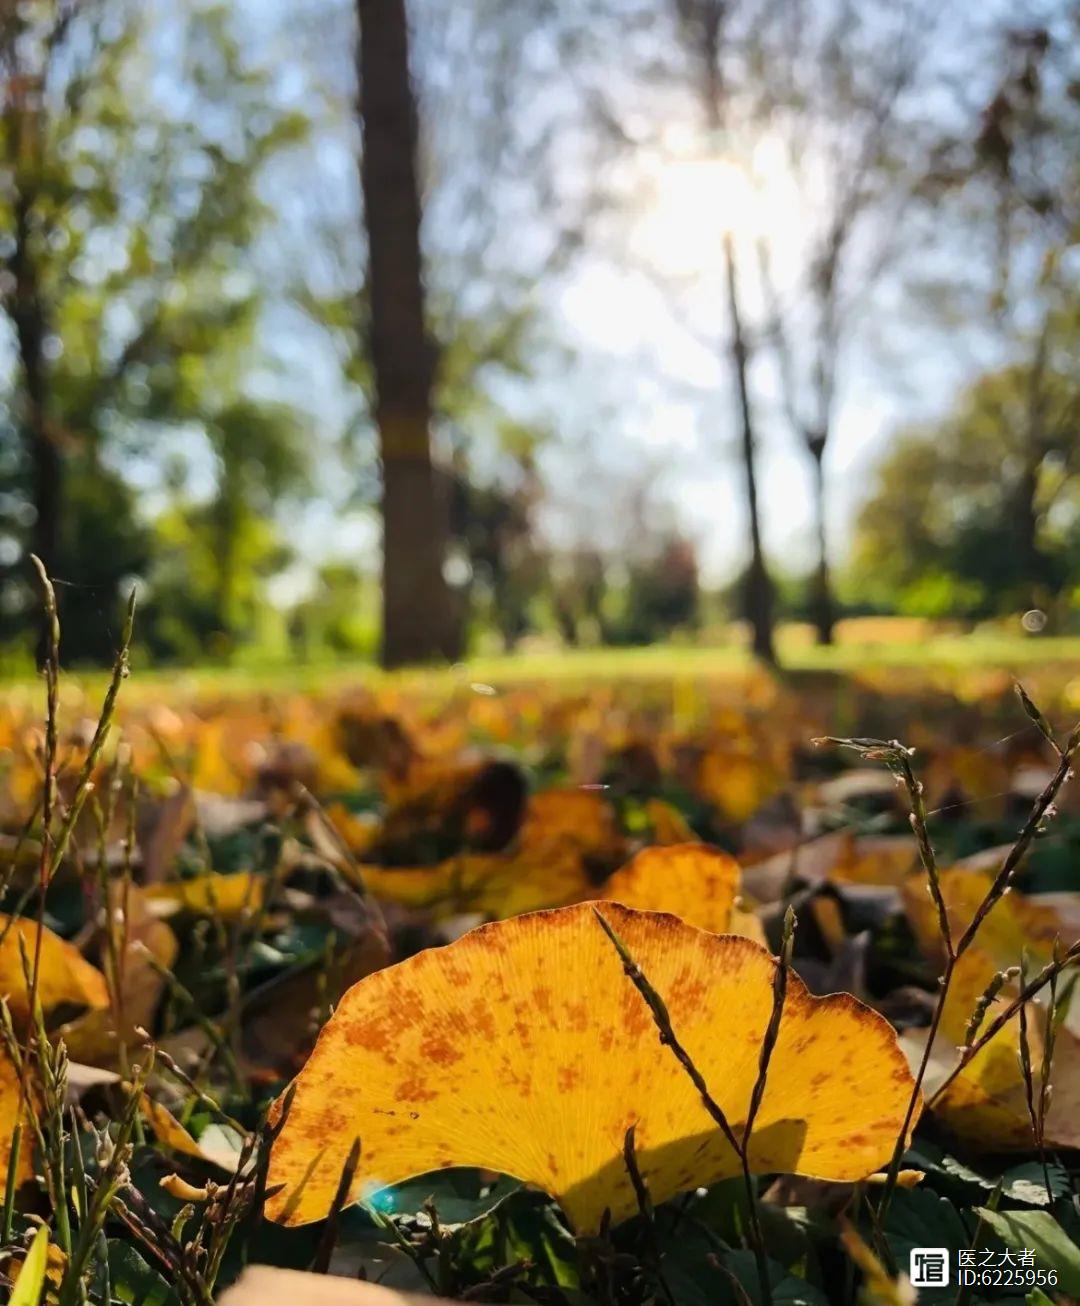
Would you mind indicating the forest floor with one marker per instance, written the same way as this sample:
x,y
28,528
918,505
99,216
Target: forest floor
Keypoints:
x,y
260,855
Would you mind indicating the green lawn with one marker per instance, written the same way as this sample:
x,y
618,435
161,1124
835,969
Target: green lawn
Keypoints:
x,y
939,654
948,651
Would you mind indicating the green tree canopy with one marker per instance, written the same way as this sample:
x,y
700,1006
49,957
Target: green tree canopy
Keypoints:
x,y
131,143
979,514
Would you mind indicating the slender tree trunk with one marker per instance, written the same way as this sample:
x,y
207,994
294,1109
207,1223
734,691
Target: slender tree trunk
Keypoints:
x,y
1026,509
417,616
23,127
822,608
226,527
45,460
759,594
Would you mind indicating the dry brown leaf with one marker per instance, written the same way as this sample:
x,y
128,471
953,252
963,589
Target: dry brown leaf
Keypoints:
x,y
94,1038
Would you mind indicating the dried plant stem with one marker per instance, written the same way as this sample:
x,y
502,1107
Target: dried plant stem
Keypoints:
x,y
1070,957
184,1078
96,1204
645,1209
48,803
9,1183
84,783
218,1041
1032,1096
324,1252
306,800
898,760
740,1146
1042,1102
1041,810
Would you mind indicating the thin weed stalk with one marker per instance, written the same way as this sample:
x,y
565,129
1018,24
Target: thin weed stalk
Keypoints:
x,y
1069,957
740,1146
48,802
328,1240
898,759
645,1210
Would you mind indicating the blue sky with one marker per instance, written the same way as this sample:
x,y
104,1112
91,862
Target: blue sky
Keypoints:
x,y
637,385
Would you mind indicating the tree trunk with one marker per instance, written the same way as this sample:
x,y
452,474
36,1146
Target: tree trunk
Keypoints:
x,y
46,463
417,615
1031,568
821,600
759,595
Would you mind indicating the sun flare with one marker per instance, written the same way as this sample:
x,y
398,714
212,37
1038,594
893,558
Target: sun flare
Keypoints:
x,y
690,203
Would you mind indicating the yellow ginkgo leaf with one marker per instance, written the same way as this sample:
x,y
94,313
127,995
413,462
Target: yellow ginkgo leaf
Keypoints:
x,y
1015,923
225,896
746,922
986,1103
883,860
580,817
529,878
12,1111
737,782
172,1134
524,1048
568,842
691,880
65,977
167,1129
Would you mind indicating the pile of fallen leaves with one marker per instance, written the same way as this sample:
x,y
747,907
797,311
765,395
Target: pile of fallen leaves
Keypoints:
x,y
626,993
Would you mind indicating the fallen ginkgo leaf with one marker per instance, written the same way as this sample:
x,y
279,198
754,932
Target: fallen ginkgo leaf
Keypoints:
x,y
226,896
568,842
65,977
691,880
13,1110
1016,922
524,1048
986,1104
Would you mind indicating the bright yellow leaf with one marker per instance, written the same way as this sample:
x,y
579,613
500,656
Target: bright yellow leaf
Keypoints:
x,y
737,782
172,1134
225,896
10,1114
568,842
1014,923
524,1048
748,924
986,1104
883,859
65,977
690,880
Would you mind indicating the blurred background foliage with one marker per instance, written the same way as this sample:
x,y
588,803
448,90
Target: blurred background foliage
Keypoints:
x,y
718,314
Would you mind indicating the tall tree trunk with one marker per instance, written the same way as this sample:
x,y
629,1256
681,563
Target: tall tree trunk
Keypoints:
x,y
226,529
1032,566
417,614
821,600
23,111
46,463
759,595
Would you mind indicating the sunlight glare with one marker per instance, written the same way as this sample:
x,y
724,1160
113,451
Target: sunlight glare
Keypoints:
x,y
691,203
